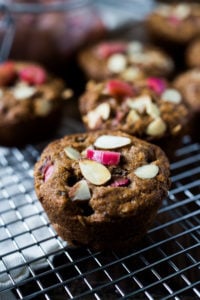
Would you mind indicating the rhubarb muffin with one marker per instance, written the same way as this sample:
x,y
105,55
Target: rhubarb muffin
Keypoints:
x,y
101,189
175,23
188,83
128,60
193,54
149,109
30,104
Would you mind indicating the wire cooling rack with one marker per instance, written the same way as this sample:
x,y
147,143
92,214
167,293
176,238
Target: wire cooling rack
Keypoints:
x,y
165,265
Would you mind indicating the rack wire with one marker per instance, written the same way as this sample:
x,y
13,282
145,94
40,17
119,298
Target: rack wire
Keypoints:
x,y
165,265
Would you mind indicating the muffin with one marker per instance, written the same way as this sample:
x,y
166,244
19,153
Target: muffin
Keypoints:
x,y
52,35
188,83
192,55
30,104
175,23
128,60
148,109
101,189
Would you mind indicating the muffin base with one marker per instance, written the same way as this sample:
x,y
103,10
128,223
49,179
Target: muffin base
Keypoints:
x,y
29,131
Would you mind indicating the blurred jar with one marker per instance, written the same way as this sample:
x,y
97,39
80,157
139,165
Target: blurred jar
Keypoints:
x,y
50,31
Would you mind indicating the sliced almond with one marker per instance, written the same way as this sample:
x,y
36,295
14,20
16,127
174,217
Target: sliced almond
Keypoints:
x,y
94,172
152,110
72,153
111,142
182,11
139,103
132,117
67,94
103,110
176,129
132,73
116,63
147,171
100,112
42,107
80,191
92,118
156,127
134,47
22,91
171,95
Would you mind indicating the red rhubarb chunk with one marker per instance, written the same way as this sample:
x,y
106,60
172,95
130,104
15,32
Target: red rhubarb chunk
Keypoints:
x,y
48,171
120,182
105,50
117,87
104,157
33,75
158,85
174,20
7,73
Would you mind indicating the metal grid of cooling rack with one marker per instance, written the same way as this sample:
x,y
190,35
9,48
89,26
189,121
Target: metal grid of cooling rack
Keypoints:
x,y
165,265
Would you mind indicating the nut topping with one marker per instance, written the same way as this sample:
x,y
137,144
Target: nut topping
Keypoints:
x,y
132,73
171,95
139,103
111,142
132,117
156,127
103,110
72,153
42,107
94,172
116,63
80,191
100,112
152,110
134,47
23,91
147,171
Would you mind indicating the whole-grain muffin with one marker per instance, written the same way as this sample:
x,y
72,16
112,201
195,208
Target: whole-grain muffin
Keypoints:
x,y
192,55
30,104
175,23
149,109
188,83
101,189
128,60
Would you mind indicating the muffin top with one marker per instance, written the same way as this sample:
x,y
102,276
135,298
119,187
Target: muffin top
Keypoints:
x,y
176,22
147,108
128,60
193,54
188,83
27,91
100,175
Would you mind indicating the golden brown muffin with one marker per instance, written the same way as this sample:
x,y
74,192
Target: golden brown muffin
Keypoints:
x,y
192,55
175,23
101,189
30,104
128,60
188,83
148,109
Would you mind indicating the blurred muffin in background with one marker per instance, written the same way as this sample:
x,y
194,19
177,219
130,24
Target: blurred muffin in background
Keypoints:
x,y
192,55
128,60
31,102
